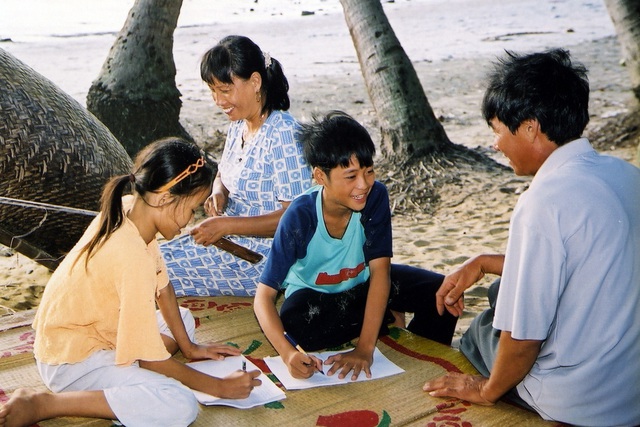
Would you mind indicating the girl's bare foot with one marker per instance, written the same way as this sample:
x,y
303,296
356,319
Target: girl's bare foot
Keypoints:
x,y
24,408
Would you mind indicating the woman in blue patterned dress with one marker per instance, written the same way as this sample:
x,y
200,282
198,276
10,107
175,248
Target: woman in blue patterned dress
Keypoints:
x,y
261,171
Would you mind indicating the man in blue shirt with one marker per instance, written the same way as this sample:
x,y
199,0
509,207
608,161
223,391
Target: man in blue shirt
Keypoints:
x,y
563,332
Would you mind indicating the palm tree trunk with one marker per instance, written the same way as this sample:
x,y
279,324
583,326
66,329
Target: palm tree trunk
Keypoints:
x,y
625,15
135,95
407,123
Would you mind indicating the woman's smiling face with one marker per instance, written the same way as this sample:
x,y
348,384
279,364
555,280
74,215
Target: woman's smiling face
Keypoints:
x,y
236,99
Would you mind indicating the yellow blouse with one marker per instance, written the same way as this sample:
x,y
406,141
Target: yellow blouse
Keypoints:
x,y
110,305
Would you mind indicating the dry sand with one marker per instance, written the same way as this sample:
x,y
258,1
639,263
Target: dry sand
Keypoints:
x,y
472,218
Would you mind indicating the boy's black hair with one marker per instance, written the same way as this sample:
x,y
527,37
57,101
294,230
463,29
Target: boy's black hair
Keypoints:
x,y
544,86
332,140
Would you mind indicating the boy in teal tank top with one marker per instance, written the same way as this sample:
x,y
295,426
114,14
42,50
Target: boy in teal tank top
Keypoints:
x,y
331,256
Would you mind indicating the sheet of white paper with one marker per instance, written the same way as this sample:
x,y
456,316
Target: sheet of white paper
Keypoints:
x,y
265,393
382,367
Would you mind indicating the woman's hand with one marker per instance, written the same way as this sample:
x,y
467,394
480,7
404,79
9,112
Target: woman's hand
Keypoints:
x,y
211,230
355,360
215,204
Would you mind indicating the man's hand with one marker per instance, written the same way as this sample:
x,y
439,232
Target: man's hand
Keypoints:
x,y
462,386
451,292
450,296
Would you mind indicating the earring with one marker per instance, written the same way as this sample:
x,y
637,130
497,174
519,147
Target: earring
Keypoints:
x,y
258,97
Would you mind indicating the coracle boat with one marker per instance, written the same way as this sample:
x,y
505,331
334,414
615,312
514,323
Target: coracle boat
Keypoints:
x,y
55,157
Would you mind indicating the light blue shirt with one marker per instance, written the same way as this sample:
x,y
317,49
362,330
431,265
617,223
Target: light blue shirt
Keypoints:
x,y
572,279
331,265
304,255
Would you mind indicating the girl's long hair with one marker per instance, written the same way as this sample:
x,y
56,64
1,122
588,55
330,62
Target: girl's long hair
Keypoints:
x,y
156,165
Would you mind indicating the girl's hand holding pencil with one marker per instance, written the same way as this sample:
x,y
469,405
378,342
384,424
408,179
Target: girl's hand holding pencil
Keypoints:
x,y
237,385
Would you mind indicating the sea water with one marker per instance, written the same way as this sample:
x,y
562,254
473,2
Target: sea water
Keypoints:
x,y
68,40
28,20
454,20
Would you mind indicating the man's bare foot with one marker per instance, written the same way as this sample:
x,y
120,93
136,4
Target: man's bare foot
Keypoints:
x,y
24,408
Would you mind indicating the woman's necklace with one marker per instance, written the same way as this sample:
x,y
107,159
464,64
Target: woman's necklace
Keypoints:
x,y
247,136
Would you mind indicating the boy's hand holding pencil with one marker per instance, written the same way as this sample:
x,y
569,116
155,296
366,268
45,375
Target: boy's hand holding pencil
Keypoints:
x,y
301,364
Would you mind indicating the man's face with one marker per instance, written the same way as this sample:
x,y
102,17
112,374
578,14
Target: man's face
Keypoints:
x,y
519,148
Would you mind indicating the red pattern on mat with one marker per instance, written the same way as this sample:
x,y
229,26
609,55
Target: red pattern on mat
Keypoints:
x,y
260,363
404,350
206,304
367,418
25,345
363,418
450,417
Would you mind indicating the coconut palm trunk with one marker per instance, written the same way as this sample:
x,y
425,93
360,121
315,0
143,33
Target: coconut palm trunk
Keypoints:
x,y
135,95
625,15
407,123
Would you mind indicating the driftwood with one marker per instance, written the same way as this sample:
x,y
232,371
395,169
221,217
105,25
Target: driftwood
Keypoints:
x,y
414,183
238,250
52,151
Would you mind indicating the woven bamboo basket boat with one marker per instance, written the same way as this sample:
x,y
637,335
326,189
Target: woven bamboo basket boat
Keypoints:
x,y
52,152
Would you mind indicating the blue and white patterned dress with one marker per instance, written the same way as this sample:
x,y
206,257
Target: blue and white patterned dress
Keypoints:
x,y
269,168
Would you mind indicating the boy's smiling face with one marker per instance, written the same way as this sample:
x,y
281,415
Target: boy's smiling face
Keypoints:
x,y
346,188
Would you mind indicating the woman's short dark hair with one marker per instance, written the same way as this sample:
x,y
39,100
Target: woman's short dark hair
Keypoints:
x,y
543,86
239,56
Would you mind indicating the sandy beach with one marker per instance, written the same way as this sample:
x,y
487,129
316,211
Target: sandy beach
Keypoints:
x,y
451,43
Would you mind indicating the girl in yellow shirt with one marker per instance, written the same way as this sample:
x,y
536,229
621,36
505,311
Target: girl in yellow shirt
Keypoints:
x,y
100,346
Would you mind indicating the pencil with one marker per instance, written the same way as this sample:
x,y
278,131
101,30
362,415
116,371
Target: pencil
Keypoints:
x,y
244,366
297,346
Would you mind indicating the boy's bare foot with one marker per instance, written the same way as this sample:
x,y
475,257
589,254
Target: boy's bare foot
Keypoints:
x,y
24,408
399,319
